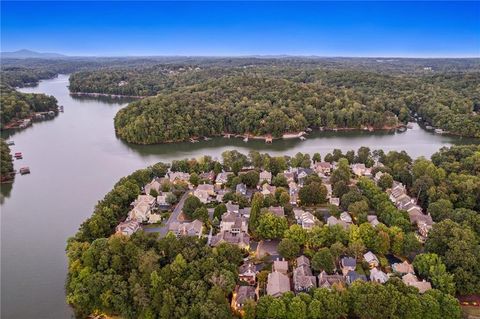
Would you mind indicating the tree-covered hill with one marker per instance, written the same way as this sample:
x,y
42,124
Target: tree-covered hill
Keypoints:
x,y
6,164
17,105
273,101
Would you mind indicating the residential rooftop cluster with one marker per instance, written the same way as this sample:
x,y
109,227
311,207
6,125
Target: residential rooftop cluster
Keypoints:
x,y
290,199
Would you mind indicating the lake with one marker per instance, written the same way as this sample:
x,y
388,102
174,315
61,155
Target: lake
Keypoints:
x,y
76,158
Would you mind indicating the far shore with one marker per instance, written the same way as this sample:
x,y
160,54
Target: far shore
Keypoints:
x,y
270,138
108,95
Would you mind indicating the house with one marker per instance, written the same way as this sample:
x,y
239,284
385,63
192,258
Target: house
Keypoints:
x,y
222,178
232,208
372,219
348,264
328,281
220,194
277,284
424,222
245,212
140,213
233,230
234,223
334,201
128,227
332,221
265,176
240,239
302,174
403,201
377,176
403,268
277,210
247,273
352,276
280,266
202,195
243,294
176,177
162,202
396,191
303,280
210,176
268,189
371,259
302,261
412,280
146,199
204,192
378,276
345,217
208,188
359,169
322,168
241,189
305,219
153,185
194,228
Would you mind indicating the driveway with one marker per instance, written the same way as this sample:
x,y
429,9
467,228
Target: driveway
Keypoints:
x,y
163,230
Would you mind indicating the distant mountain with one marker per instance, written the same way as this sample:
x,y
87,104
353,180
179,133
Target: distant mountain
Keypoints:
x,y
25,54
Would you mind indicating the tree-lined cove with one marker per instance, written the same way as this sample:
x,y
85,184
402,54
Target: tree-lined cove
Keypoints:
x,y
89,157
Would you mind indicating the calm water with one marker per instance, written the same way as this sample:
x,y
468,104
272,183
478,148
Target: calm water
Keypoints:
x,y
76,158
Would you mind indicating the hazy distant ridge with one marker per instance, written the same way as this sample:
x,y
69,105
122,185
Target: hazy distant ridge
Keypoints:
x,y
25,54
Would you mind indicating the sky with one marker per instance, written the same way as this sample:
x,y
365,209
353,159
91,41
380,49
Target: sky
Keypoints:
x,y
119,28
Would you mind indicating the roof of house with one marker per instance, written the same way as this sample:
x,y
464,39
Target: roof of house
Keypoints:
x,y
370,257
241,188
353,275
232,207
244,293
303,278
403,268
412,280
325,280
277,210
303,260
277,283
205,187
373,220
346,217
332,221
349,262
378,275
280,265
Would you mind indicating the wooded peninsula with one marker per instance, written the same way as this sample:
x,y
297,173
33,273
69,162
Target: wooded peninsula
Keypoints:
x,y
387,237
270,97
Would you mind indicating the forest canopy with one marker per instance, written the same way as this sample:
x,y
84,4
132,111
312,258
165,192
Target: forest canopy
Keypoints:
x,y
194,101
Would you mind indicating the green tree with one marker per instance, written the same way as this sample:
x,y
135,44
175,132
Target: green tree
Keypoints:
x,y
288,248
323,261
271,226
191,204
313,194
385,181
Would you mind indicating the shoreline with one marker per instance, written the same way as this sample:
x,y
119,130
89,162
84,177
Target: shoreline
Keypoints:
x,y
108,95
267,138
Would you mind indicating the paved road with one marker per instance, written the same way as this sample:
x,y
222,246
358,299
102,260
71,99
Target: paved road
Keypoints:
x,y
163,230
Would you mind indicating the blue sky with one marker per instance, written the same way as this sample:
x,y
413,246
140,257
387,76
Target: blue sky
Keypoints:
x,y
424,29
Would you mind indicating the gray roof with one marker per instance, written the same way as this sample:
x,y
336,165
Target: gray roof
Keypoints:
x,y
349,262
